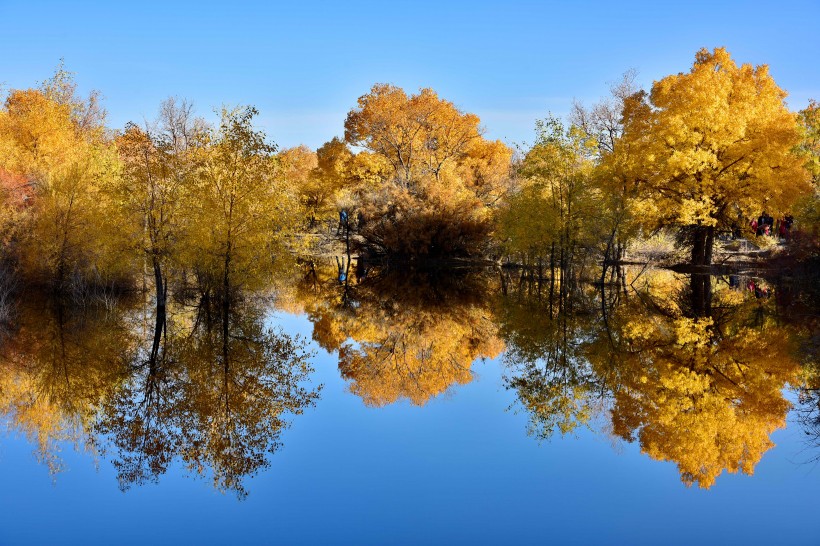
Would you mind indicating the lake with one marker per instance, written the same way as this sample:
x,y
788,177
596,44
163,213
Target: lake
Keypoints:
x,y
351,404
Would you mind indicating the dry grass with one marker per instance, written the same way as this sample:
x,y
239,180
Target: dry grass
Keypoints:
x,y
659,247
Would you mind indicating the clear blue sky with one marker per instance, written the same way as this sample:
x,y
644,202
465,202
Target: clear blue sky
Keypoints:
x,y
303,64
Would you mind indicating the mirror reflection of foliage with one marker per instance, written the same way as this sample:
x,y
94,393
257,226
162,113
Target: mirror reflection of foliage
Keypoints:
x,y
216,396
700,384
400,334
57,368
545,331
692,368
798,299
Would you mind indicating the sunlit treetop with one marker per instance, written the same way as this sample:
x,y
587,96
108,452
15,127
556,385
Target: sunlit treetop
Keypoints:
x,y
714,144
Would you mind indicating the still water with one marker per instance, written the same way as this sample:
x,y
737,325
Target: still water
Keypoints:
x,y
353,405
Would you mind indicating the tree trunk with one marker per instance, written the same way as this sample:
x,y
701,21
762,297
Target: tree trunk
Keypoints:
x,y
702,244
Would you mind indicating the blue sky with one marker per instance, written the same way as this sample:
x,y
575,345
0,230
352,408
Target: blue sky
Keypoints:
x,y
304,64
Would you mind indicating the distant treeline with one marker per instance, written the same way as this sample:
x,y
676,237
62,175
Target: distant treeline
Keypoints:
x,y
701,153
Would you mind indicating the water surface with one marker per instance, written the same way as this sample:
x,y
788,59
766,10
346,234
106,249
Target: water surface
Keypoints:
x,y
349,404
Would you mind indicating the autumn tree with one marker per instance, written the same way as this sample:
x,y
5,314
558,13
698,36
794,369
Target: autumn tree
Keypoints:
x,y
417,134
158,165
601,127
807,213
713,147
240,208
810,146
443,175
300,167
554,213
14,217
55,146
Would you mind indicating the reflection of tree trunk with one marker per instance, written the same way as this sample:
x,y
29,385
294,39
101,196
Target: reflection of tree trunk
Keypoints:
x,y
701,286
159,327
161,293
226,315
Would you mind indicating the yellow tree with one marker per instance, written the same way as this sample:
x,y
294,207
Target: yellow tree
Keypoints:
x,y
239,208
158,163
298,167
14,211
417,134
601,126
713,147
485,169
55,142
443,175
810,119
555,211
808,209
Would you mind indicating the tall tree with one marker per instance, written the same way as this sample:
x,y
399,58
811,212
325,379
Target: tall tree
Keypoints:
x,y
418,134
443,178
241,208
713,147
158,166
55,147
555,212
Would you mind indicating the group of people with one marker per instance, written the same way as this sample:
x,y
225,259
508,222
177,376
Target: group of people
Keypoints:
x,y
765,225
758,287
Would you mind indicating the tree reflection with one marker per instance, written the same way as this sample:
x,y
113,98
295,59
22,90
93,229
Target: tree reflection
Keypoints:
x,y
215,394
545,332
140,419
694,371
692,368
57,368
798,299
400,335
699,378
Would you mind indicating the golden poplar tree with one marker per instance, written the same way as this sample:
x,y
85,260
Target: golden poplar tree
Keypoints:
x,y
712,148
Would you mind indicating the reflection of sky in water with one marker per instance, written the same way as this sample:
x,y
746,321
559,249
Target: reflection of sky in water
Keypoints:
x,y
459,470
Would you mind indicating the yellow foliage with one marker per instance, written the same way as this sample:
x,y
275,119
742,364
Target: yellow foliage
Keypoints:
x,y
442,176
702,391
712,147
395,340
52,143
